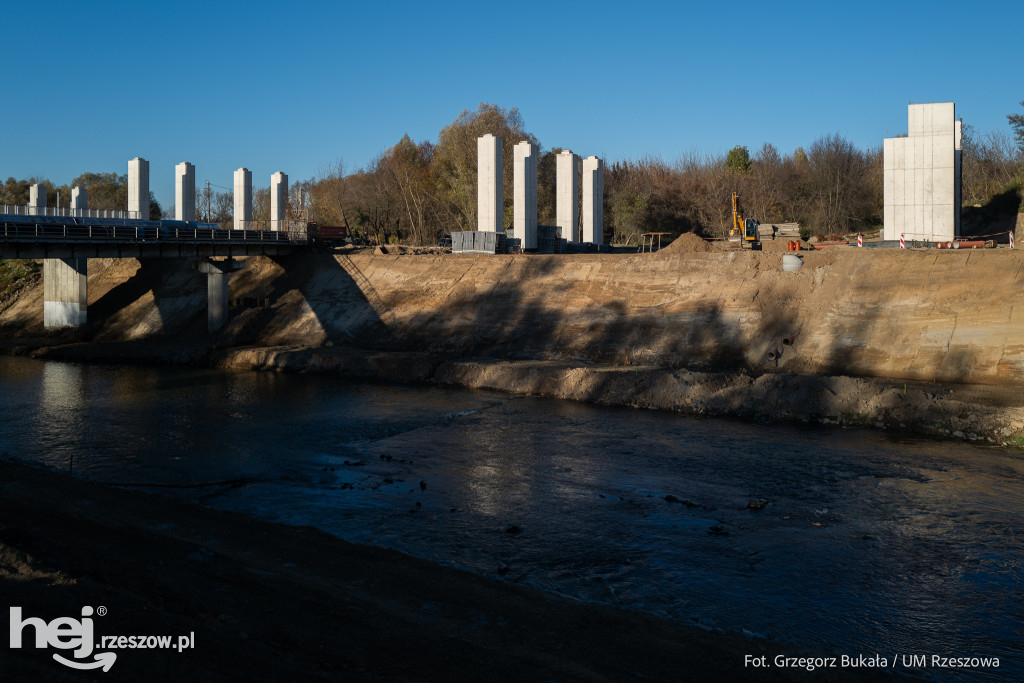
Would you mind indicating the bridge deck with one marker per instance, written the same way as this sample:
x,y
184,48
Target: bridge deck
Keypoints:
x,y
72,237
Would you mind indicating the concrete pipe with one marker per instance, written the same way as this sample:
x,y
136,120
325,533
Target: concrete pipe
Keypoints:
x,y
791,263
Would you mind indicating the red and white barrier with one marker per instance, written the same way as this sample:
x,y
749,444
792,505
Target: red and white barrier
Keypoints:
x,y
1011,239
860,240
903,245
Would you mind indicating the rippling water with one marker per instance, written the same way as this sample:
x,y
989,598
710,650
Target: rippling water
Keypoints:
x,y
865,544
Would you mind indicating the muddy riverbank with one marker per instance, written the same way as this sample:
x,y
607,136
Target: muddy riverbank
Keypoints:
x,y
274,602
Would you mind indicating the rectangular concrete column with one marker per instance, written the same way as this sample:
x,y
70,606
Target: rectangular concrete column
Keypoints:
x,y
37,200
593,200
184,192
524,221
567,171
490,198
278,199
138,188
65,292
958,138
243,199
79,201
217,274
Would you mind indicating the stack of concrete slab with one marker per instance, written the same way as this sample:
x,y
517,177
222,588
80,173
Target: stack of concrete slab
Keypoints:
x,y
479,242
550,240
789,231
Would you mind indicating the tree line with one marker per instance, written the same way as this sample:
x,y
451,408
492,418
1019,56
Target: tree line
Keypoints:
x,y
415,192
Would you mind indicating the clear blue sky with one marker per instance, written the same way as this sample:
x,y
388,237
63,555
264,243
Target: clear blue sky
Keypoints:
x,y
297,86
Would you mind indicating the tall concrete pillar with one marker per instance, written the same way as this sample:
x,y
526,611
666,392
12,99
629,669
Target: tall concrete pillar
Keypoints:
x,y
217,274
567,171
958,138
79,201
243,199
524,221
138,188
593,200
278,199
489,191
184,192
65,292
37,200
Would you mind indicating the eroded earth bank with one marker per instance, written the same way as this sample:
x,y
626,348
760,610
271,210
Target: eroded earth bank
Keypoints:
x,y
928,340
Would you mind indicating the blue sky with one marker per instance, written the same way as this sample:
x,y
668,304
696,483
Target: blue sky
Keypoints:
x,y
299,86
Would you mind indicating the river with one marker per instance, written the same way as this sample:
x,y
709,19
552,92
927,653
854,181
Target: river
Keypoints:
x,y
849,541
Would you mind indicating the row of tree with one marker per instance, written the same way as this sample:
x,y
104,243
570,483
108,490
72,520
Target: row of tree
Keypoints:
x,y
416,192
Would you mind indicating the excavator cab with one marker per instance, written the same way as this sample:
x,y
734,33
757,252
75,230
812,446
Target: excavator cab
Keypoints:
x,y
750,227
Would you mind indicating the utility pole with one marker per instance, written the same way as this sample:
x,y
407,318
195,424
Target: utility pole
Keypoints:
x,y
208,202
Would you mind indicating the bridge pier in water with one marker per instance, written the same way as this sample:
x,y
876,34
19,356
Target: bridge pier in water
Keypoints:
x,y
217,274
65,292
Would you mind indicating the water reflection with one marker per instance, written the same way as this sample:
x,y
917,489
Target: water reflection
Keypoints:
x,y
863,543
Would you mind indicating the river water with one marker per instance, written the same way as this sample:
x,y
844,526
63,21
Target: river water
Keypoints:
x,y
865,544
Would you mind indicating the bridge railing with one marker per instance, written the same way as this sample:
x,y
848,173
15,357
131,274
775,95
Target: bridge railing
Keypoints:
x,y
16,210
44,232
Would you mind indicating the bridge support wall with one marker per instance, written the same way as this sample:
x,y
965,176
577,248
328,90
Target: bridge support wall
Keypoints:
x,y
65,292
217,274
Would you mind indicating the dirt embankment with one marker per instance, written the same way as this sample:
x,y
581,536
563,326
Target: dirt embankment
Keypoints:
x,y
689,328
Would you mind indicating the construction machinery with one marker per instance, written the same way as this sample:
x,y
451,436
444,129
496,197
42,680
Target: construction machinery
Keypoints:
x,y
746,229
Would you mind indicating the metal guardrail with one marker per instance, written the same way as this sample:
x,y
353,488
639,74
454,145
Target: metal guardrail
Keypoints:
x,y
20,230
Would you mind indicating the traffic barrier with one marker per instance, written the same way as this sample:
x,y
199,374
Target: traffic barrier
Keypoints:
x,y
903,245
1011,239
860,240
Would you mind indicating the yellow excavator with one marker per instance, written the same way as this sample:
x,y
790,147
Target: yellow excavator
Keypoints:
x,y
746,229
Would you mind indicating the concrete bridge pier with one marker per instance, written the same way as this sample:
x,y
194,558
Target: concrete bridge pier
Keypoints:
x,y
217,274
65,292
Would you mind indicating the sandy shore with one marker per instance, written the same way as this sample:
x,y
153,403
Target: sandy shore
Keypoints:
x,y
270,602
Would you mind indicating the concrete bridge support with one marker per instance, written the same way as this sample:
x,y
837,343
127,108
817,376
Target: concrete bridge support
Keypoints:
x,y
184,192
524,181
278,200
243,198
217,274
37,200
65,292
490,207
593,200
567,173
138,188
79,201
